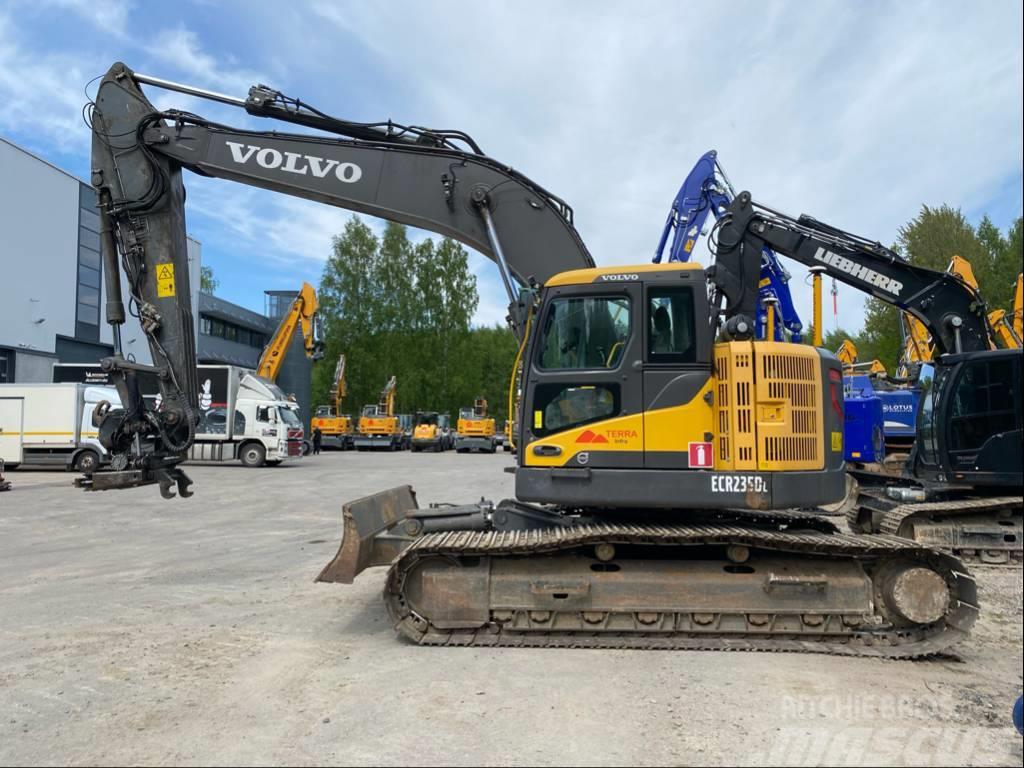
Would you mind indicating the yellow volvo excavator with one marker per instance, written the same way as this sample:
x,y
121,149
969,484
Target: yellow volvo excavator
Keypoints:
x,y
660,449
334,425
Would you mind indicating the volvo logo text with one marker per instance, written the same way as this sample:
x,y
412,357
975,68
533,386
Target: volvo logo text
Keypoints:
x,y
620,276
294,162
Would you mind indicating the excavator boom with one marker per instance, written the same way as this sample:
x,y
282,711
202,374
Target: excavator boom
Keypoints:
x,y
414,176
302,313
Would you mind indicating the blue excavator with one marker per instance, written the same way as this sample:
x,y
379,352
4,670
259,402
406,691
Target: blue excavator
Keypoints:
x,y
707,191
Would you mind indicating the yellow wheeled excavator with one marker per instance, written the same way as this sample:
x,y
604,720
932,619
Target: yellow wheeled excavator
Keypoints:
x,y
334,425
660,449
301,313
475,429
379,427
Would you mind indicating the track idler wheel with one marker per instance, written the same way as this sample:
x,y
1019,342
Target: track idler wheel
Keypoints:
x,y
912,593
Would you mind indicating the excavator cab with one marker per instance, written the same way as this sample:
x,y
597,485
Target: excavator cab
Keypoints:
x,y
626,394
970,420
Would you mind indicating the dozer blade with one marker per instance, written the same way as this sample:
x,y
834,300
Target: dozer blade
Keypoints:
x,y
366,538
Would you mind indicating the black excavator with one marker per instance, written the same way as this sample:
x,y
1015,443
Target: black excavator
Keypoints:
x,y
660,449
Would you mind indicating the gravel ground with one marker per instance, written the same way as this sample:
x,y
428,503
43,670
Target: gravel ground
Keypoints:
x,y
134,630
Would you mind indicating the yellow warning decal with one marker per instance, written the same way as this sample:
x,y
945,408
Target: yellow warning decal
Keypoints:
x,y
689,246
164,280
837,441
765,283
538,419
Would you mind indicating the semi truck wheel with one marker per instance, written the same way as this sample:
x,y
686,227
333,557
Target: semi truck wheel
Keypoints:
x,y
253,455
87,462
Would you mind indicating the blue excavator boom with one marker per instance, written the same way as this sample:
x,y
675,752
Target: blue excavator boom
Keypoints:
x,y
706,191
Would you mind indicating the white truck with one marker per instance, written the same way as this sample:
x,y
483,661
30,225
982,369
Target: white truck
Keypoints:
x,y
243,417
50,425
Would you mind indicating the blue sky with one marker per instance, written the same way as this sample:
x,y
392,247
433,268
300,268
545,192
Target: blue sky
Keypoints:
x,y
854,112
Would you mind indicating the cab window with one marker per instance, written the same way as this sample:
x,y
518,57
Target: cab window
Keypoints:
x,y
559,407
586,332
670,321
983,403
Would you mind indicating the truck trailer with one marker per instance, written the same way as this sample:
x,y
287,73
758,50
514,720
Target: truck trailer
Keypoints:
x,y
242,417
50,425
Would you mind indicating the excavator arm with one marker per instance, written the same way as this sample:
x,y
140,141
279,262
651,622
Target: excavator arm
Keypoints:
x,y
951,311
435,180
302,313
386,402
340,388
706,191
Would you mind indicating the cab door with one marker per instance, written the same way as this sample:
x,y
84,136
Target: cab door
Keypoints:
x,y
675,359
584,393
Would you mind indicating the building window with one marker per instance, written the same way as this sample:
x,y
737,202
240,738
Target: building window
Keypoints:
x,y
90,281
6,366
210,326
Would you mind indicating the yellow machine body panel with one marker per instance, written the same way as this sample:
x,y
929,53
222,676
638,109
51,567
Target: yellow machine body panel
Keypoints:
x,y
766,416
472,427
625,433
768,407
474,422
332,425
426,432
379,425
593,275
672,429
788,407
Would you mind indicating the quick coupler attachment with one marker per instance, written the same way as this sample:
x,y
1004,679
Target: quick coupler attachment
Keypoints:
x,y
168,478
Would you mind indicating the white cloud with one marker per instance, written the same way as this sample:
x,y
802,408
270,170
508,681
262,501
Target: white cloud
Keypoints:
x,y
854,114
855,117
179,47
46,106
108,16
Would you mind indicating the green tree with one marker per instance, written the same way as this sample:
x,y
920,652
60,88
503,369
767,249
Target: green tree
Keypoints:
x,y
207,282
400,309
348,307
998,273
489,355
